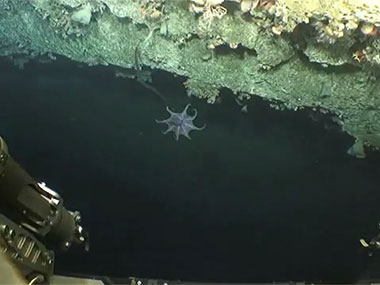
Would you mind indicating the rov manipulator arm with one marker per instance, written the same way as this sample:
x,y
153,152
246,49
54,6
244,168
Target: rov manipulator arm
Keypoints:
x,y
34,217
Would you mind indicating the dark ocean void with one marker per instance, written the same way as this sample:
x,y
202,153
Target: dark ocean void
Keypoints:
x,y
263,196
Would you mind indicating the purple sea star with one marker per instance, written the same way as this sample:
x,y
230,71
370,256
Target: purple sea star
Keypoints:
x,y
180,123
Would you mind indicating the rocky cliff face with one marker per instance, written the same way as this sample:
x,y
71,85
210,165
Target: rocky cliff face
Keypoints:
x,y
319,54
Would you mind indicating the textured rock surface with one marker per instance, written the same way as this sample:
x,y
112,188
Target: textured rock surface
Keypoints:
x,y
281,57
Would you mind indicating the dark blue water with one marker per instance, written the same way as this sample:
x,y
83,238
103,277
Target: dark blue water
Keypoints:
x,y
258,196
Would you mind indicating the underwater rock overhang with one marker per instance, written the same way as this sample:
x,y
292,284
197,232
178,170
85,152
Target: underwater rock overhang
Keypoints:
x,y
299,54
